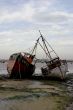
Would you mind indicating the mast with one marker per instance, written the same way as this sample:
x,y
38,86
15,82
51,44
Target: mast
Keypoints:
x,y
35,45
45,45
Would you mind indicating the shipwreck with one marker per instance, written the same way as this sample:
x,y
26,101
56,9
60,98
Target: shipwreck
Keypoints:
x,y
54,66
22,65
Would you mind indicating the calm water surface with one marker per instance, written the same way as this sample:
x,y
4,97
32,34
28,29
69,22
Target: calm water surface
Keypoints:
x,y
3,68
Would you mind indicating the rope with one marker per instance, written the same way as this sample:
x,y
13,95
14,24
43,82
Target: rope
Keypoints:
x,y
43,49
44,40
51,47
46,47
35,45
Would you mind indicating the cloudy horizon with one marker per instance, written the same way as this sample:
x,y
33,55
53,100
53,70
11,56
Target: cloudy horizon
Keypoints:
x,y
21,20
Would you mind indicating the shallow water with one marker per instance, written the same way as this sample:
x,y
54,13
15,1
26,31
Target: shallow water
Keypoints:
x,y
70,67
3,68
13,93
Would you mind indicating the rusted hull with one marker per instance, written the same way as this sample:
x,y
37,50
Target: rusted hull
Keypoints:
x,y
20,68
21,71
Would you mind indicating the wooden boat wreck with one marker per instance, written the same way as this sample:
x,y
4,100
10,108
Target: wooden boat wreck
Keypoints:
x,y
20,65
54,66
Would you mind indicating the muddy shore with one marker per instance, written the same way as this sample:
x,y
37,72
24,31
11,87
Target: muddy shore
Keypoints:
x,y
36,94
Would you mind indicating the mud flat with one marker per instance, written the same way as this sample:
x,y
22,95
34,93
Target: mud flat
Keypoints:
x,y
36,94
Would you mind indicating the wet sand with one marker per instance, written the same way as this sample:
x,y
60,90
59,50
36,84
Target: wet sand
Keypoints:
x,y
36,94
70,107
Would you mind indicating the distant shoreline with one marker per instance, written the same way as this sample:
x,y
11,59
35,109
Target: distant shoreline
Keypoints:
x,y
38,60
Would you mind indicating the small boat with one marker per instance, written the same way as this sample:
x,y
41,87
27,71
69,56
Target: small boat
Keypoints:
x,y
20,65
54,66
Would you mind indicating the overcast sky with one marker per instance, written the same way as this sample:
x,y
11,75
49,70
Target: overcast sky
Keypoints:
x,y
20,21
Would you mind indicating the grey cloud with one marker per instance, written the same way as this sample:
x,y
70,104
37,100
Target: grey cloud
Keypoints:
x,y
52,17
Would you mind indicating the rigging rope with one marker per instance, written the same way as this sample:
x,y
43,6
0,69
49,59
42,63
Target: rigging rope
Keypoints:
x,y
51,47
35,45
43,49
